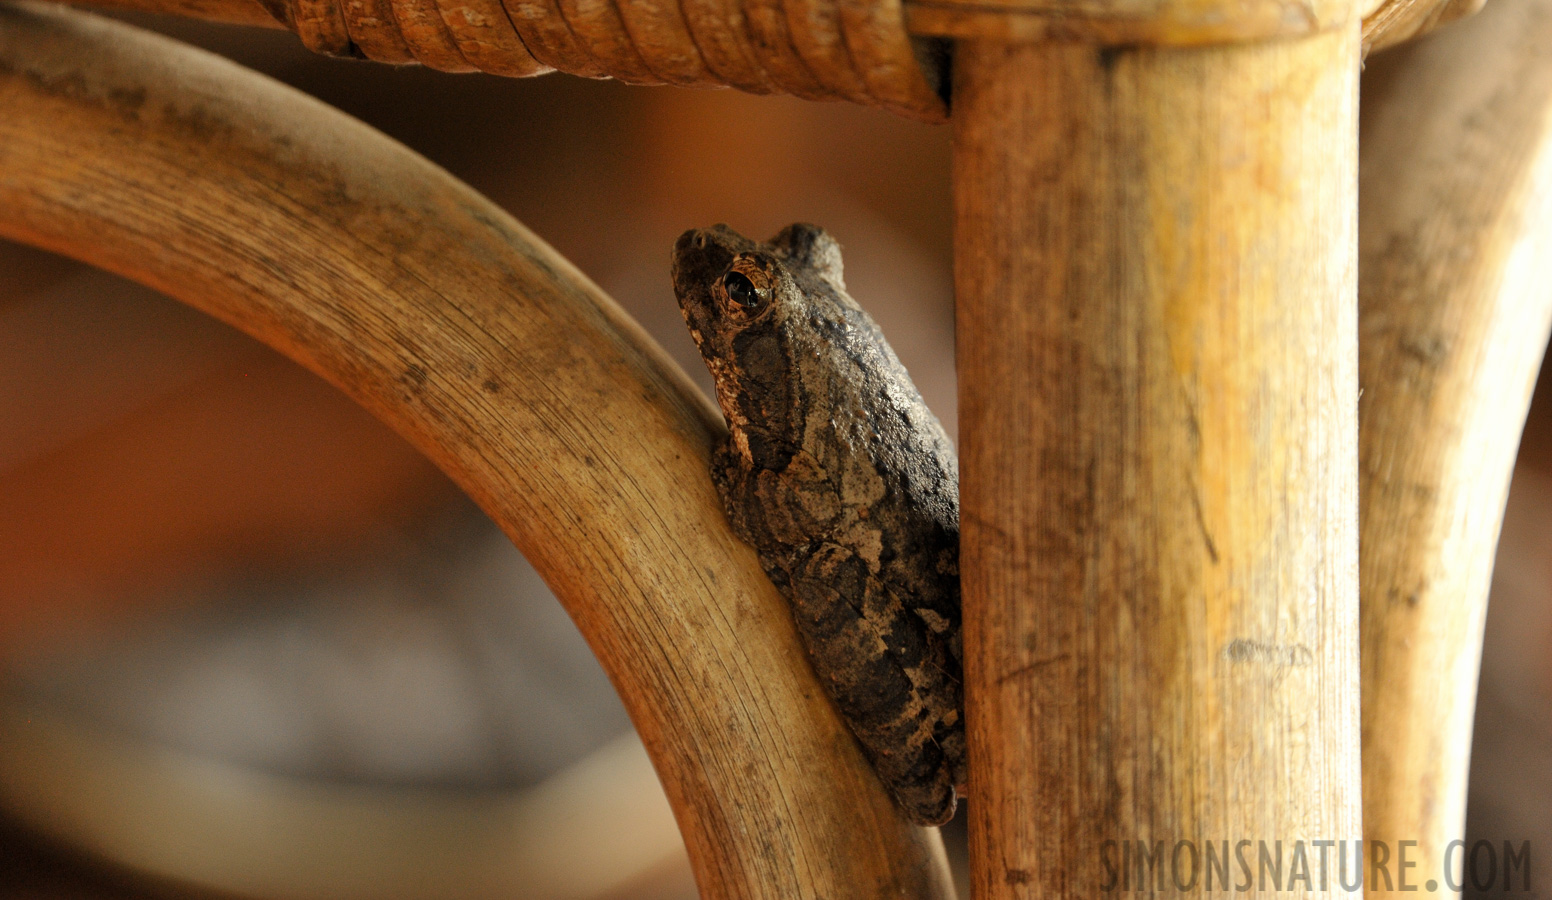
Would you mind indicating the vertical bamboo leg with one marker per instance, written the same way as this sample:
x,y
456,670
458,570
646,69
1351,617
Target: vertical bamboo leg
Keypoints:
x,y
1157,353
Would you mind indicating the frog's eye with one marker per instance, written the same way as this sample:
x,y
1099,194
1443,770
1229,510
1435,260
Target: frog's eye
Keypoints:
x,y
746,287
741,290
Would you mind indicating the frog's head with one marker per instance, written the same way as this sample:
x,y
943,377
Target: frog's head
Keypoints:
x,y
751,309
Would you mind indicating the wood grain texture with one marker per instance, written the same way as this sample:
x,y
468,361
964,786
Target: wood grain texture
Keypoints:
x,y
907,77
722,36
321,26
427,36
815,29
548,37
1456,192
372,28
1179,24
1122,22
487,39
1397,21
1155,274
658,31
501,362
771,38
599,28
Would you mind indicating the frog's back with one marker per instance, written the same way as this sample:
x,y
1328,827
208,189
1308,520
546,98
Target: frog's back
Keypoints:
x,y
881,418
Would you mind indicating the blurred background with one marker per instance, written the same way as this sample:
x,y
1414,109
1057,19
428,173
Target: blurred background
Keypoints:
x,y
253,635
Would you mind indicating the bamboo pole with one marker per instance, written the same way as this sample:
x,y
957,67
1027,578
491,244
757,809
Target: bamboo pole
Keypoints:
x,y
1456,192
1158,365
508,368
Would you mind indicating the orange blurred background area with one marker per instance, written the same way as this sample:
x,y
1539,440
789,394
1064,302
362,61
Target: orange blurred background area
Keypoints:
x,y
145,449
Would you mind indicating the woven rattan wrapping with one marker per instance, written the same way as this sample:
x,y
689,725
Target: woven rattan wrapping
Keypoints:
x,y
856,50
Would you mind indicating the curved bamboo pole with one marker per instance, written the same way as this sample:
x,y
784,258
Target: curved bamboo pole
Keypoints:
x,y
1456,193
502,363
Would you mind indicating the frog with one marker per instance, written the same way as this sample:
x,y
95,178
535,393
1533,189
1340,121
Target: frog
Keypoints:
x,y
847,487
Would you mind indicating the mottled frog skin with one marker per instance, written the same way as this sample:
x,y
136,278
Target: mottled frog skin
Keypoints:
x,y
838,474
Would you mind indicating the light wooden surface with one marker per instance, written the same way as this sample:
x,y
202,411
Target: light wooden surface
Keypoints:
x,y
1155,277
437,311
1121,22
1176,22
1456,194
